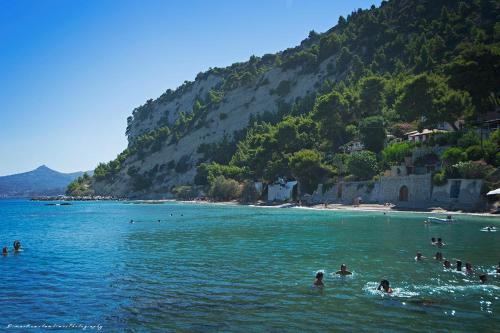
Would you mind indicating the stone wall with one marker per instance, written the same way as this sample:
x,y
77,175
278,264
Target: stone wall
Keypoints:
x,y
460,193
412,191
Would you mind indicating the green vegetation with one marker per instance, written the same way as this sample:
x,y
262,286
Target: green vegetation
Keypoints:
x,y
80,187
404,66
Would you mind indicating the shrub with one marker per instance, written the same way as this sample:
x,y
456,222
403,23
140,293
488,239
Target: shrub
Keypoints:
x,y
395,153
283,88
223,188
474,153
222,116
362,165
184,192
439,178
183,164
249,192
453,155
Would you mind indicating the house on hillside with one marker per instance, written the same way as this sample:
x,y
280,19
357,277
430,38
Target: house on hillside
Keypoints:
x,y
353,146
416,136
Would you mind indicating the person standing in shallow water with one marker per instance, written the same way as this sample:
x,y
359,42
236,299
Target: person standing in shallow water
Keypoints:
x,y
5,251
384,285
17,246
343,270
318,282
459,265
446,264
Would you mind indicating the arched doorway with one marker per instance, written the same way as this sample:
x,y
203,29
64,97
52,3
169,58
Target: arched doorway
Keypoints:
x,y
403,193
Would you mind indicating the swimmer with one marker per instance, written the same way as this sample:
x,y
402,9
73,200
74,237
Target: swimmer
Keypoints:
x,y
468,268
158,221
384,284
440,243
498,268
171,214
343,270
17,246
483,278
459,265
5,251
446,264
419,257
131,221
433,240
318,282
439,256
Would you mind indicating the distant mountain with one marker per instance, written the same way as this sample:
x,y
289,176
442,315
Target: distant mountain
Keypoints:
x,y
41,181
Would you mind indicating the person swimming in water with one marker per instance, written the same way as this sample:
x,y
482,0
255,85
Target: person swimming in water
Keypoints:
x,y
483,278
17,246
468,268
384,285
343,270
498,268
318,282
419,257
131,222
5,251
433,240
440,243
459,265
439,256
446,264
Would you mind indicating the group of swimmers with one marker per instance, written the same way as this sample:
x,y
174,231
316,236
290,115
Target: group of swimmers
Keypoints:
x,y
447,264
318,282
17,248
385,285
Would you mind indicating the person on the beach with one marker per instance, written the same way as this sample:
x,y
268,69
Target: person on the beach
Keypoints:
x,y
343,270
483,278
440,243
446,264
318,282
17,245
439,256
419,257
384,284
459,265
468,268
5,251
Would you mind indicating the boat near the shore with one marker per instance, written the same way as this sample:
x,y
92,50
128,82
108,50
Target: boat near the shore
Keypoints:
x,y
448,220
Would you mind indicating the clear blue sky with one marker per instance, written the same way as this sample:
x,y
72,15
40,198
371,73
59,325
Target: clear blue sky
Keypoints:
x,y
71,71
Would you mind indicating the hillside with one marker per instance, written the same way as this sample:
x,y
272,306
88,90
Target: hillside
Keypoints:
x,y
39,182
403,66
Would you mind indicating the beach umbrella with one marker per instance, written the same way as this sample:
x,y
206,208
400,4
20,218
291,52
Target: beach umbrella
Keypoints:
x,y
493,192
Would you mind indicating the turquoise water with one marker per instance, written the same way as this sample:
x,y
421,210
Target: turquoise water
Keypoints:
x,y
230,268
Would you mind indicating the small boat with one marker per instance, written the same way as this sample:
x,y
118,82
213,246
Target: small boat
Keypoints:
x,y
447,220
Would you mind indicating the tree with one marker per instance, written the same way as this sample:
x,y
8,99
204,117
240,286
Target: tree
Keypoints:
x,y
307,167
372,132
331,111
476,70
428,98
362,165
224,188
249,192
372,96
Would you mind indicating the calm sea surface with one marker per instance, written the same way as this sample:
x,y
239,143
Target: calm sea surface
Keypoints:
x,y
228,268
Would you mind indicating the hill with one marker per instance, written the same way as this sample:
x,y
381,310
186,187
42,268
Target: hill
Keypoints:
x,y
403,66
39,182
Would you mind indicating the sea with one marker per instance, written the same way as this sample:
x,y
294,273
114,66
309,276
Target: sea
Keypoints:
x,y
186,267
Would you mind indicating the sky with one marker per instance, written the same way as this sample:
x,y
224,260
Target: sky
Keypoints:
x,y
72,71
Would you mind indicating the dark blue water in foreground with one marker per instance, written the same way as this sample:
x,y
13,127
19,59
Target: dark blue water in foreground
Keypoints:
x,y
229,268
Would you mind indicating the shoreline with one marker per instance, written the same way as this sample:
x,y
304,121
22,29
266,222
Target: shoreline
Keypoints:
x,y
262,204
321,207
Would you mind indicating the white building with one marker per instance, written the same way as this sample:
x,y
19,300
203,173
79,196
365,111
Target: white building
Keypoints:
x,y
280,191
